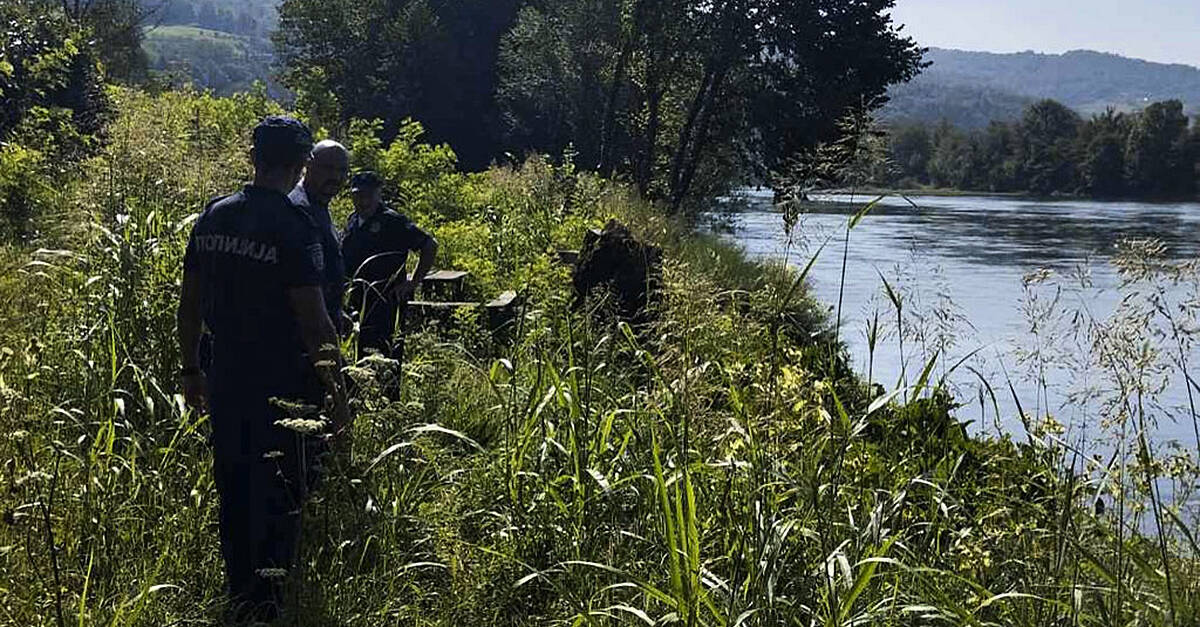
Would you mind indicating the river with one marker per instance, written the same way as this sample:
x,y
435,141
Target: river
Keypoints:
x,y
961,267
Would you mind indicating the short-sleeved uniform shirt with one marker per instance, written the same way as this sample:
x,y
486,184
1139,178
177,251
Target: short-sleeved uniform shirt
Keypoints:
x,y
333,284
251,249
376,248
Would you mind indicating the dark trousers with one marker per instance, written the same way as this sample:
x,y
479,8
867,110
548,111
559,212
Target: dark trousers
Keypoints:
x,y
378,318
263,475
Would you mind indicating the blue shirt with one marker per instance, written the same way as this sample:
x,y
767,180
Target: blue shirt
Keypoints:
x,y
333,285
250,249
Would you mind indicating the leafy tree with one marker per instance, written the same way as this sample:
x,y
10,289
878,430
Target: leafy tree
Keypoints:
x,y
555,77
1159,159
54,104
115,27
1047,144
950,165
400,59
911,150
996,163
684,97
1103,141
1196,154
1151,154
47,72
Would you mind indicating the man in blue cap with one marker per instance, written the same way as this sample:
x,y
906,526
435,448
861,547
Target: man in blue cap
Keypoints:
x,y
324,177
376,247
252,276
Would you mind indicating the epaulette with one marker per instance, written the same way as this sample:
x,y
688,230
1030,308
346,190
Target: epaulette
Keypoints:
x,y
304,215
214,200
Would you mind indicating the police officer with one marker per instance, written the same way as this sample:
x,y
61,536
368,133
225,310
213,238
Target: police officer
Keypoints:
x,y
253,276
376,247
324,177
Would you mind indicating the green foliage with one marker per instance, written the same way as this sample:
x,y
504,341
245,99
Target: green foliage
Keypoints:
x,y
55,108
1160,160
217,60
720,466
22,191
115,27
429,61
220,45
1049,130
46,63
1051,150
680,98
676,96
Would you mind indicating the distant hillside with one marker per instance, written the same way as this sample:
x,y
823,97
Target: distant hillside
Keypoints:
x,y
967,106
971,88
223,45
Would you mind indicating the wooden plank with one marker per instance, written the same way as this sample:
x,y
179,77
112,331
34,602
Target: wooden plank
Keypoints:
x,y
503,301
441,305
447,276
444,284
568,257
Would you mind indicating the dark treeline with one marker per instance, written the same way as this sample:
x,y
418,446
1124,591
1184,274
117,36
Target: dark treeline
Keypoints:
x,y
683,98
1151,154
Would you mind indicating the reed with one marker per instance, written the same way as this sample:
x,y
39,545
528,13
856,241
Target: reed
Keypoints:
x,y
721,466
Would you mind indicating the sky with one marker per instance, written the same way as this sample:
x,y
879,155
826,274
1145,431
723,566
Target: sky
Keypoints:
x,y
1166,31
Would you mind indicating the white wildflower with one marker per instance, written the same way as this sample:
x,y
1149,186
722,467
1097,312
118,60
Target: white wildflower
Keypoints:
x,y
302,425
378,361
272,573
34,476
291,408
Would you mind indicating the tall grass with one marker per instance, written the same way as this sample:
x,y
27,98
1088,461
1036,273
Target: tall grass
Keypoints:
x,y
719,466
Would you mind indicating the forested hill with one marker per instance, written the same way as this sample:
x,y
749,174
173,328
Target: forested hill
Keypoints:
x,y
972,88
224,45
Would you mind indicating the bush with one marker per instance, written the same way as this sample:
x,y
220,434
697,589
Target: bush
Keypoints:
x,y
720,467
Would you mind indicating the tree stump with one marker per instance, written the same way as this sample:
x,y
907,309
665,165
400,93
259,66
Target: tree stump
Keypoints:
x,y
628,268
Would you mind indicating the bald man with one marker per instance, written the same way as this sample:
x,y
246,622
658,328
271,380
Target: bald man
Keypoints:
x,y
325,175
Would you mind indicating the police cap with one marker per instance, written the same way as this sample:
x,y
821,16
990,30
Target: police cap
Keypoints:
x,y
282,140
365,180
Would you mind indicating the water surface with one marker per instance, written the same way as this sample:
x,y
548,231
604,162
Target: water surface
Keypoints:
x,y
960,264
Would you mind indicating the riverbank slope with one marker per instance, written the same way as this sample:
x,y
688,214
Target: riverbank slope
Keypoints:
x,y
718,466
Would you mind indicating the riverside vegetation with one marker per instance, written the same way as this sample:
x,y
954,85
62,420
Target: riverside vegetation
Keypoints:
x,y
1153,154
720,466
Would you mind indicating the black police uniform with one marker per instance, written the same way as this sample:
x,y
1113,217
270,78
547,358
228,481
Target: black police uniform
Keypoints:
x,y
334,282
376,253
250,249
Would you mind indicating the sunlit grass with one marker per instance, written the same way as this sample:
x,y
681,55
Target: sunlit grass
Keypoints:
x,y
720,466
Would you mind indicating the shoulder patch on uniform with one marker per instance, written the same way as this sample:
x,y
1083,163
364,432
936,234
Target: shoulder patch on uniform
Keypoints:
x,y
317,254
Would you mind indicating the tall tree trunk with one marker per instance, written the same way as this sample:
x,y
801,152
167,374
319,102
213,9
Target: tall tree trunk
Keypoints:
x,y
700,142
649,151
699,103
629,38
610,111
